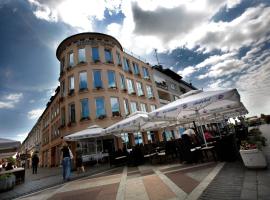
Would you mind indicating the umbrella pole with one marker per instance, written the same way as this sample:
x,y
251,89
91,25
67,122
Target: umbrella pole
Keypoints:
x,y
125,139
200,125
96,151
215,115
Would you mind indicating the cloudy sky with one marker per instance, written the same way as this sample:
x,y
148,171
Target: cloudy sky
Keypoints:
x,y
213,44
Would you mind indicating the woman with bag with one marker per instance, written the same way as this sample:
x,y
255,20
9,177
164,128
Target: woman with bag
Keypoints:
x,y
66,161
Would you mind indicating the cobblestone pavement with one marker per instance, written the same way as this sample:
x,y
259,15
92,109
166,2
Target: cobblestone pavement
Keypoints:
x,y
236,182
45,178
154,182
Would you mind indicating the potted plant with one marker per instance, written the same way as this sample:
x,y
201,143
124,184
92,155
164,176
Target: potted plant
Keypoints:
x,y
251,150
7,181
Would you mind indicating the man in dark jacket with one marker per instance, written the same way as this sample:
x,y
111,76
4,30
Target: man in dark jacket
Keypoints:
x,y
35,161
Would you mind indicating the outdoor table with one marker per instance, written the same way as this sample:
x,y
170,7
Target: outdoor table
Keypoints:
x,y
120,157
150,156
18,172
161,155
207,149
120,160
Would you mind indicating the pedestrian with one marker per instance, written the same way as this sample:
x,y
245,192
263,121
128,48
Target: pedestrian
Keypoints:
x,y
35,161
66,161
79,162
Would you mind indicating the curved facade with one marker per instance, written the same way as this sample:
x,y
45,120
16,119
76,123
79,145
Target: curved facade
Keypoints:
x,y
100,84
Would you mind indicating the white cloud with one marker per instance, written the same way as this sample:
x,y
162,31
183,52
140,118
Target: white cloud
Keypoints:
x,y
249,28
10,100
79,14
186,72
34,114
21,136
253,83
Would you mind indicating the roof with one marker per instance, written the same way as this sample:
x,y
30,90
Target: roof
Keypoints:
x,y
173,75
71,38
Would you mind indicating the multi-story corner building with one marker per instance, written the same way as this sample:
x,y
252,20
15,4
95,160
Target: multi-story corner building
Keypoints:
x,y
100,84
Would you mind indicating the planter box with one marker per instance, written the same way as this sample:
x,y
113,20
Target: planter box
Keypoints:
x,y
253,158
7,183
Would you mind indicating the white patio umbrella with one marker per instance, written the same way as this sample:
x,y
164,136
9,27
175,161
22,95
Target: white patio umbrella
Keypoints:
x,y
130,124
195,105
90,132
94,131
8,147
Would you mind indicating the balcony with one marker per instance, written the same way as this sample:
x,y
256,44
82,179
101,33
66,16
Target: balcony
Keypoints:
x,y
162,85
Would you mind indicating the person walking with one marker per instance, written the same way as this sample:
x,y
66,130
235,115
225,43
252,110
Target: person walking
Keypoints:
x,y
79,162
35,161
66,161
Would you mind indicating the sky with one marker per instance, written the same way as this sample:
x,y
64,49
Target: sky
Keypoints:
x,y
214,44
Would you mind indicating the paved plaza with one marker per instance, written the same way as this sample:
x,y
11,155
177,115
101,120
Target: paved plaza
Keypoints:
x,y
211,180
173,181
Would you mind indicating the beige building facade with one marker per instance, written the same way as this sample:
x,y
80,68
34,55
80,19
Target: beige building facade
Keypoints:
x,y
100,84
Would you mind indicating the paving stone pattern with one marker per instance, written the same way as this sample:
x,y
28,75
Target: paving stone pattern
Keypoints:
x,y
227,184
36,183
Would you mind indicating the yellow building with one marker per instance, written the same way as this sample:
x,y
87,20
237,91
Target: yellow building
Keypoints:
x,y
100,84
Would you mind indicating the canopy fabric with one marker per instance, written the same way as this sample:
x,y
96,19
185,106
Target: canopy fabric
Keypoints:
x,y
91,132
151,126
130,124
6,144
195,105
8,147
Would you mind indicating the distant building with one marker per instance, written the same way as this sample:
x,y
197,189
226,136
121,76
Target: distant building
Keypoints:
x,y
100,84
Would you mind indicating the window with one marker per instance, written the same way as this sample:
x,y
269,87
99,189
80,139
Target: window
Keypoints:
x,y
63,88
173,86
71,85
138,138
126,65
125,138
100,108
83,80
115,106
153,107
149,92
140,89
126,107
63,117
111,79
122,82
108,56
145,73
71,112
119,60
84,109
81,56
136,69
95,54
97,79
71,59
133,106
130,86
143,107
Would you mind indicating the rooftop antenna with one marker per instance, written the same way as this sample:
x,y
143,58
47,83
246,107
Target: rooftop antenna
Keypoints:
x,y
155,50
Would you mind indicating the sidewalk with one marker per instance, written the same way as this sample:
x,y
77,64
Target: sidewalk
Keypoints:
x,y
158,182
237,182
45,178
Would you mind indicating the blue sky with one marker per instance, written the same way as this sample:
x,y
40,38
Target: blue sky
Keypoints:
x,y
214,44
